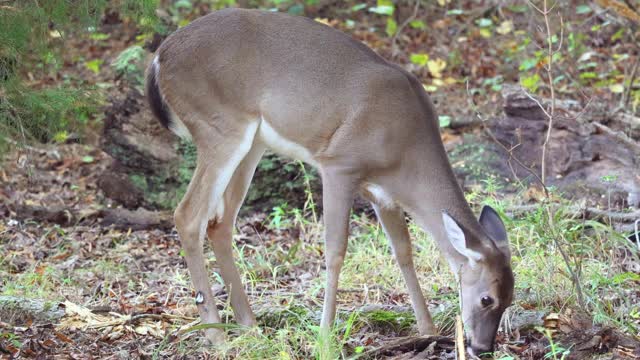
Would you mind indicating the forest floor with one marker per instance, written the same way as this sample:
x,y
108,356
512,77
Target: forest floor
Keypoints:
x,y
75,283
101,292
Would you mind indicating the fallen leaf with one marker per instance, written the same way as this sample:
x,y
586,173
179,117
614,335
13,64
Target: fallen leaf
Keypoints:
x,y
63,337
436,66
505,27
552,321
616,88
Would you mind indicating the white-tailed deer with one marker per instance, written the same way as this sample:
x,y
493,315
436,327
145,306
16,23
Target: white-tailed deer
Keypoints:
x,y
240,81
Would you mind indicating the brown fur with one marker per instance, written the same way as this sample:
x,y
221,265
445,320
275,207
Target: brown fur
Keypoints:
x,y
364,121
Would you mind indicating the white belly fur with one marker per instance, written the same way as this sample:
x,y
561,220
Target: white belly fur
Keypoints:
x,y
381,197
280,145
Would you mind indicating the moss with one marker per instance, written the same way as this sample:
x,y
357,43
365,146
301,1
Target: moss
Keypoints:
x,y
293,315
472,158
47,306
276,181
384,320
139,182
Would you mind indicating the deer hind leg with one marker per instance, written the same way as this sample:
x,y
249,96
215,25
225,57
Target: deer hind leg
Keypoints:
x,y
220,232
204,201
395,227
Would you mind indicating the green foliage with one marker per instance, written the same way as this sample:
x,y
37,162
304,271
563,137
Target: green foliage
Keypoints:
x,y
94,65
43,114
392,26
444,120
556,351
531,83
383,7
418,24
390,320
494,83
419,59
278,181
32,36
129,64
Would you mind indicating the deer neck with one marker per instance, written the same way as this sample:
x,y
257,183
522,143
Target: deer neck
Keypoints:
x,y
426,186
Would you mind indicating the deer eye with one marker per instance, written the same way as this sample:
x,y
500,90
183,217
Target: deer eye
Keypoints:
x,y
486,301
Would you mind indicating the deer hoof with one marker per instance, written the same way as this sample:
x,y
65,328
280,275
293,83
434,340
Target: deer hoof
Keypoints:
x,y
428,330
214,336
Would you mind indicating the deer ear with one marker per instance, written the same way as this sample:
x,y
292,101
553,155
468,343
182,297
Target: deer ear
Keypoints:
x,y
458,240
494,227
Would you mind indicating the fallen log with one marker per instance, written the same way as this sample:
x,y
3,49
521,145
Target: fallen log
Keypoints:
x,y
20,311
140,219
586,212
119,218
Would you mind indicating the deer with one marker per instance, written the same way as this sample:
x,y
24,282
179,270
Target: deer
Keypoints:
x,y
238,81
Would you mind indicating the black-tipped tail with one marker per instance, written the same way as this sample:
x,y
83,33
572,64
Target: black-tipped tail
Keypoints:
x,y
156,102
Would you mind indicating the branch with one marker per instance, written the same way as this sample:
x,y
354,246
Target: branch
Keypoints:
x,y
624,102
620,136
394,45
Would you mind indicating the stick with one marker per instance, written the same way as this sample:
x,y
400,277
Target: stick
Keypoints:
x,y
415,344
460,349
624,101
394,45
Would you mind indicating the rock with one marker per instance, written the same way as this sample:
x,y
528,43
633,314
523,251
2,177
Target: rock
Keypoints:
x,y
582,161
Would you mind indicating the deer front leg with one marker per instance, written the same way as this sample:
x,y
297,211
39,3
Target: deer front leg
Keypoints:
x,y
395,227
337,200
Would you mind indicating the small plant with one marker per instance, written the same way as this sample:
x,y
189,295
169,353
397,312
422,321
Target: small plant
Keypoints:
x,y
556,351
279,217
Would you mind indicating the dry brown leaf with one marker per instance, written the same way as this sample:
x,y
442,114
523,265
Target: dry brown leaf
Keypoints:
x,y
620,8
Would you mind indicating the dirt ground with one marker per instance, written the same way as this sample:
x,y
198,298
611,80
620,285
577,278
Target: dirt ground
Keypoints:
x,y
121,294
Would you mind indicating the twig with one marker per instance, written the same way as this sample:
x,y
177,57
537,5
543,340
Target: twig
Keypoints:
x,y
415,344
514,158
543,164
545,11
394,44
637,233
132,319
460,339
624,102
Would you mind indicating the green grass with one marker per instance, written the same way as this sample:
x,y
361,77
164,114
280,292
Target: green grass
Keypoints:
x,y
41,283
283,272
370,272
